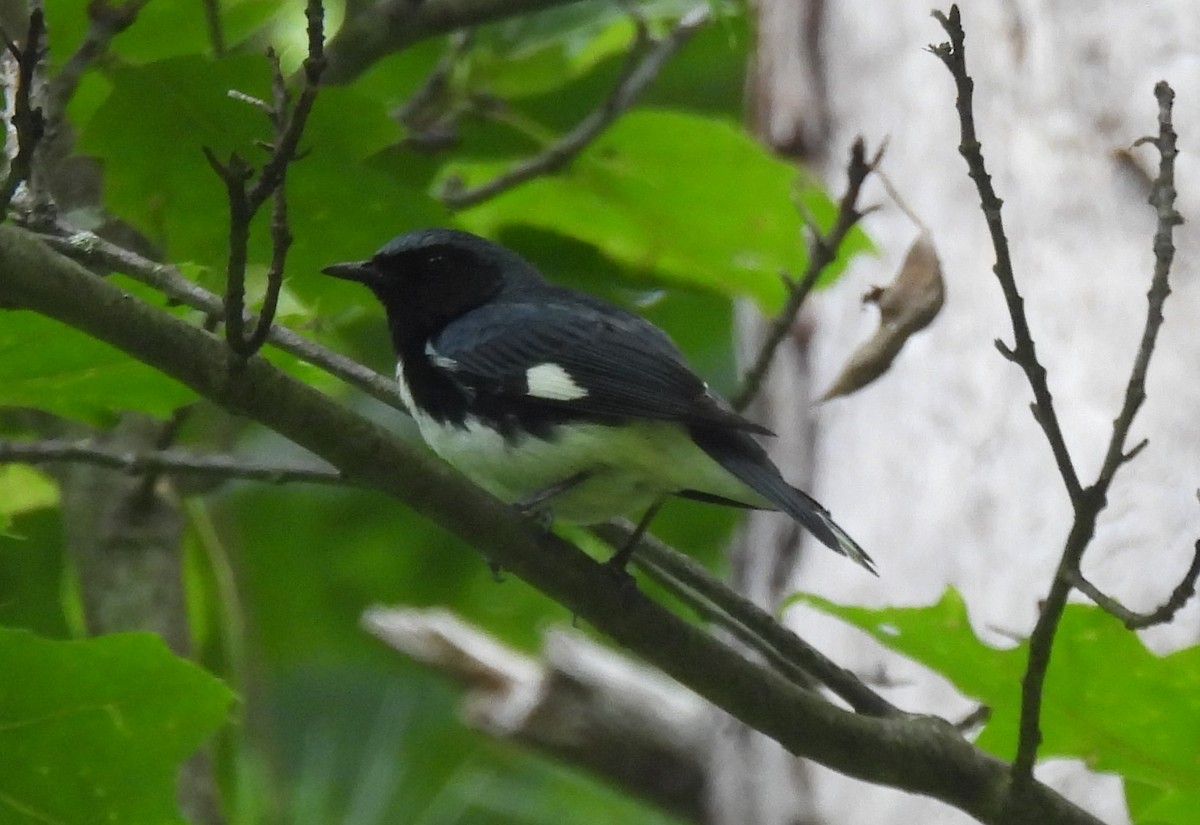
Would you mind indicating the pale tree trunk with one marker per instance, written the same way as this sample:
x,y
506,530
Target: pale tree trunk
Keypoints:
x,y
938,469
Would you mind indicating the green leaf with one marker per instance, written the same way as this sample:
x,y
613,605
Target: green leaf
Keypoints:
x,y
94,731
691,198
1108,700
53,367
161,182
23,489
339,206
32,574
1152,804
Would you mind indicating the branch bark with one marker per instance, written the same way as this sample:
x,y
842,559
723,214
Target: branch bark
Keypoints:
x,y
160,462
391,25
922,755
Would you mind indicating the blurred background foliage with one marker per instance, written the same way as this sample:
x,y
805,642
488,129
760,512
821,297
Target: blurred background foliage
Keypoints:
x,y
674,211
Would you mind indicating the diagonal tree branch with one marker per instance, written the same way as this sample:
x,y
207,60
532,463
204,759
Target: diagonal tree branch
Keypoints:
x,y
176,462
92,250
388,26
753,625
918,754
637,77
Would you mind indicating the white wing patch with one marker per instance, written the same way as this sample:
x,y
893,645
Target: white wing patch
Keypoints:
x,y
440,361
552,382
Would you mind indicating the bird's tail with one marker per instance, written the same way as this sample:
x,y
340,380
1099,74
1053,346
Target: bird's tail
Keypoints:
x,y
746,460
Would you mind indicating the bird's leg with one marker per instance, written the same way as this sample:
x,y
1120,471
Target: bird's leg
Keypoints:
x,y
531,505
621,557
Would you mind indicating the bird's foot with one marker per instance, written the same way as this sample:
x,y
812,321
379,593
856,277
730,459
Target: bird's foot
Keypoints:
x,y
538,514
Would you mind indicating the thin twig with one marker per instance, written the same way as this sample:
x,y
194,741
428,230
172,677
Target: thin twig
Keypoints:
x,y
91,250
28,120
1023,353
739,614
173,462
281,241
638,75
1162,614
235,174
707,611
1162,198
216,30
901,203
823,250
246,197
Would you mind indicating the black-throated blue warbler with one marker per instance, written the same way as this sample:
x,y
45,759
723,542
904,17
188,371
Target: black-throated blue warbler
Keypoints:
x,y
555,400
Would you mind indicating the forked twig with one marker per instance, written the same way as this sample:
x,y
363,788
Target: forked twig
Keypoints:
x,y
1087,502
247,193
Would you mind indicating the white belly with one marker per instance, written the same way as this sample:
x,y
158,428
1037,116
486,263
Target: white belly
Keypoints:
x,y
628,467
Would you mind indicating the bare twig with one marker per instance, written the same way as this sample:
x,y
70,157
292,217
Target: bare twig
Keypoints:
x,y
245,198
1024,354
641,69
748,621
1088,502
235,174
1161,614
167,462
717,613
1162,198
1093,499
91,250
281,241
823,251
28,121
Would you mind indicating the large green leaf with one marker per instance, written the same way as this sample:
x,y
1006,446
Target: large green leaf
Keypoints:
x,y
691,198
53,367
1108,700
94,731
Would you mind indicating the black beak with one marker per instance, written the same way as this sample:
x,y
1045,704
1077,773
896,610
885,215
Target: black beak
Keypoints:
x,y
362,271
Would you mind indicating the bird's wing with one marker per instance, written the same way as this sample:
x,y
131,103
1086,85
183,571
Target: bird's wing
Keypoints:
x,y
574,359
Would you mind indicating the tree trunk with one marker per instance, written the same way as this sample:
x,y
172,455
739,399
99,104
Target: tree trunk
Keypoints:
x,y
938,468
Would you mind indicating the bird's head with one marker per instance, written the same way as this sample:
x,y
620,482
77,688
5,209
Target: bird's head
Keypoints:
x,y
434,275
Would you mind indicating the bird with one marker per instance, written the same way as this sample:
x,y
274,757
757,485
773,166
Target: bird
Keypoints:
x,y
559,402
